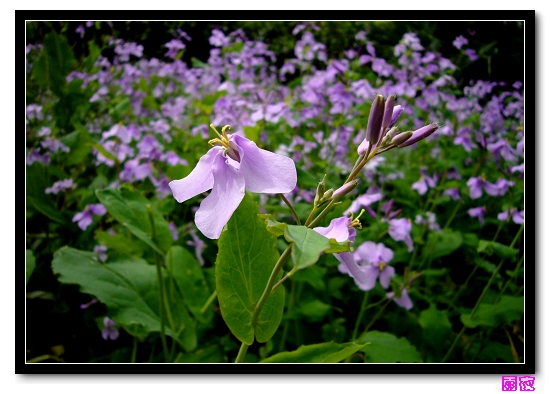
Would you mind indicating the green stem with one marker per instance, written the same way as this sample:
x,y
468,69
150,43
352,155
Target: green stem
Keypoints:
x,y
474,309
360,316
161,289
291,208
376,316
208,302
287,321
452,215
265,296
242,353
134,350
510,278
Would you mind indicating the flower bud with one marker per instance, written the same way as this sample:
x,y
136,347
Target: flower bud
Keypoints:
x,y
397,111
388,112
390,134
376,116
345,189
401,137
420,134
327,195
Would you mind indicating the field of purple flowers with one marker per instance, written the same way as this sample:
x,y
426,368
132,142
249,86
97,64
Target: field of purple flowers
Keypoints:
x,y
363,209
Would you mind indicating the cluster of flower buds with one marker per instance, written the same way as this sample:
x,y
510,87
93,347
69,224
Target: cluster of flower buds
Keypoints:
x,y
381,133
323,196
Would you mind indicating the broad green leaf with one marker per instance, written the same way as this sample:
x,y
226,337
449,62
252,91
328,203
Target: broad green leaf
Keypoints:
x,y
436,328
313,310
121,108
30,264
313,276
442,243
45,207
309,244
387,348
329,352
189,277
500,250
128,288
273,226
120,243
129,207
247,255
211,354
507,310
54,63
80,144
196,63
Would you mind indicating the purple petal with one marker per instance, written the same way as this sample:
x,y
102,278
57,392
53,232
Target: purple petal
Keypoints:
x,y
198,181
386,254
337,229
263,171
372,273
386,275
404,301
226,195
353,269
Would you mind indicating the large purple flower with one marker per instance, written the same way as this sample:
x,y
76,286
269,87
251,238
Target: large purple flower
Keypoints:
x,y
374,258
231,166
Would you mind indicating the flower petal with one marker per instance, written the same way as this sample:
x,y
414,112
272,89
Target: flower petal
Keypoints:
x,y
198,181
354,271
264,171
386,275
227,193
339,229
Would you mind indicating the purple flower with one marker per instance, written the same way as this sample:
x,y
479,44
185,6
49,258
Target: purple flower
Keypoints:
x,y
173,47
342,229
109,331
174,231
499,188
453,193
404,301
372,195
424,183
100,251
372,260
460,41
230,167
478,212
60,186
88,304
84,218
517,216
400,230
198,244
471,54
475,185
429,219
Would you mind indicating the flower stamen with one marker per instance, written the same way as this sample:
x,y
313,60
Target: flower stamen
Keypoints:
x,y
355,222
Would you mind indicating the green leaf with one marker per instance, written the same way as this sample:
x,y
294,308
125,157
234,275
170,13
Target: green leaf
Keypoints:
x,y
196,63
387,348
121,108
507,310
30,264
45,207
314,310
189,277
273,226
309,244
329,352
247,255
313,276
120,243
436,328
442,243
490,248
127,287
54,64
128,206
211,354
80,144
233,48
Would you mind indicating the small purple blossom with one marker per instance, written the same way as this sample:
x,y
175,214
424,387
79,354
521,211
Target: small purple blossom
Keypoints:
x,y
453,193
372,195
101,250
174,46
84,218
478,212
109,331
400,230
471,54
404,301
373,259
425,182
88,304
517,216
60,186
460,41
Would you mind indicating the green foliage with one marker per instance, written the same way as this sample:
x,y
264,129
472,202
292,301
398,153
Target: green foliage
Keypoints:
x,y
129,207
319,353
128,288
507,310
387,348
246,258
